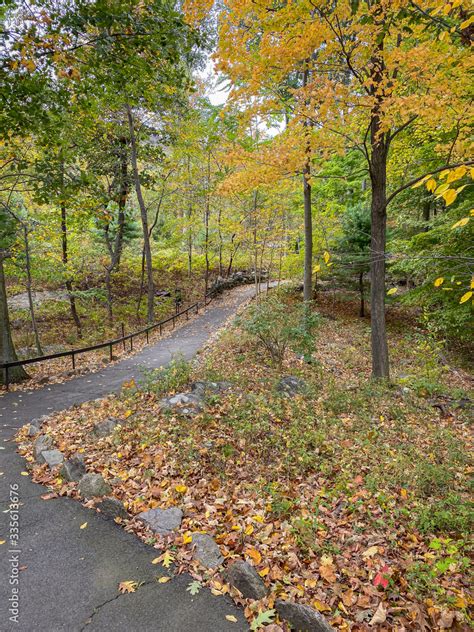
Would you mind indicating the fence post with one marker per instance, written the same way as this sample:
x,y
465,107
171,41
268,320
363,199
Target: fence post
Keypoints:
x,y
7,381
147,338
111,353
197,308
73,358
123,335
173,323
131,343
161,329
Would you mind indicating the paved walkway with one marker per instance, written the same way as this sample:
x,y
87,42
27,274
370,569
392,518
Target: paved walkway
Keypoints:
x,y
69,577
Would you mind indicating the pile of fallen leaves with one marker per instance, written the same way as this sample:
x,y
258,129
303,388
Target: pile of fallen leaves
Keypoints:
x,y
321,493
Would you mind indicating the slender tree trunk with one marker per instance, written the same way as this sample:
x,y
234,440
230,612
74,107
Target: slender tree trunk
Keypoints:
x,y
144,218
29,284
206,222
361,293
308,220
378,175
7,350
65,259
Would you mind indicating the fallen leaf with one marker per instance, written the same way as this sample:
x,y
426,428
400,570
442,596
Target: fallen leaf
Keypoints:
x,y
231,618
380,615
128,586
83,525
163,580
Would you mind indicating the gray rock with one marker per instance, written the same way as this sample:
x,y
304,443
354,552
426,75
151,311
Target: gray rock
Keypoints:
x,y
204,389
206,551
302,617
33,430
92,485
291,385
42,443
74,468
112,508
105,428
183,404
162,521
246,579
51,458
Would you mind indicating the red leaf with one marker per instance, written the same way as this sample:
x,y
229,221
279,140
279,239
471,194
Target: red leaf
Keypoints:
x,y
380,579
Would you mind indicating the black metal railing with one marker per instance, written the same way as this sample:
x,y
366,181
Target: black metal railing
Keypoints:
x,y
6,366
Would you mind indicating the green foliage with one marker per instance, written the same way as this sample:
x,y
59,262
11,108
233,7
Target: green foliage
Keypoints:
x,y
452,514
167,379
267,320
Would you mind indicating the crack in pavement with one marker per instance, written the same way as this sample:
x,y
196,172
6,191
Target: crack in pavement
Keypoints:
x,y
98,608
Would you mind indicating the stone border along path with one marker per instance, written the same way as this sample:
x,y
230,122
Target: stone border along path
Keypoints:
x,y
68,577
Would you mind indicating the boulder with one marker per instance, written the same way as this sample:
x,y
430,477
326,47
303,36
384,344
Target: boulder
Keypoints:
x,y
42,442
162,521
301,617
105,428
74,468
291,385
183,404
92,485
246,579
204,389
112,508
206,551
51,458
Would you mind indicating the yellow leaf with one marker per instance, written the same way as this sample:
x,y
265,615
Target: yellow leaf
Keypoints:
x,y
322,607
449,196
392,291
264,572
466,23
422,181
157,560
127,414
326,256
462,222
128,586
187,538
431,185
370,552
163,580
465,297
403,493
258,518
442,188
167,558
439,281
255,555
181,488
83,525
249,530
24,473
316,268
231,618
2,541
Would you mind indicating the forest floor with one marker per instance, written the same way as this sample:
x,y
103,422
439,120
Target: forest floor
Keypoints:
x,y
351,497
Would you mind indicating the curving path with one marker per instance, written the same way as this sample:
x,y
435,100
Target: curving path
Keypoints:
x,y
68,577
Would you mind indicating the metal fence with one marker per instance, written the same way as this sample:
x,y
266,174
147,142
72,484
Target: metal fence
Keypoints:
x,y
6,366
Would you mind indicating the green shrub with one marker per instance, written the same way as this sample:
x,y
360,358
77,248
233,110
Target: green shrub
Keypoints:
x,y
168,378
449,515
279,326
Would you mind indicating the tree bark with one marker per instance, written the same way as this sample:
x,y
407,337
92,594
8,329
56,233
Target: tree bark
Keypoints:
x,y
7,350
206,223
378,174
308,220
361,293
144,218
29,284
65,259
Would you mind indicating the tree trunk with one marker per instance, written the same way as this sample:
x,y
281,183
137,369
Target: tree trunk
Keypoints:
x,y
378,168
7,350
206,222
65,259
361,293
308,220
34,324
144,218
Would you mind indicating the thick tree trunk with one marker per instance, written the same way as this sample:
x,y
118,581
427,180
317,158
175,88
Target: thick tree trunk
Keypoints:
x,y
144,218
7,350
378,168
65,259
29,284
